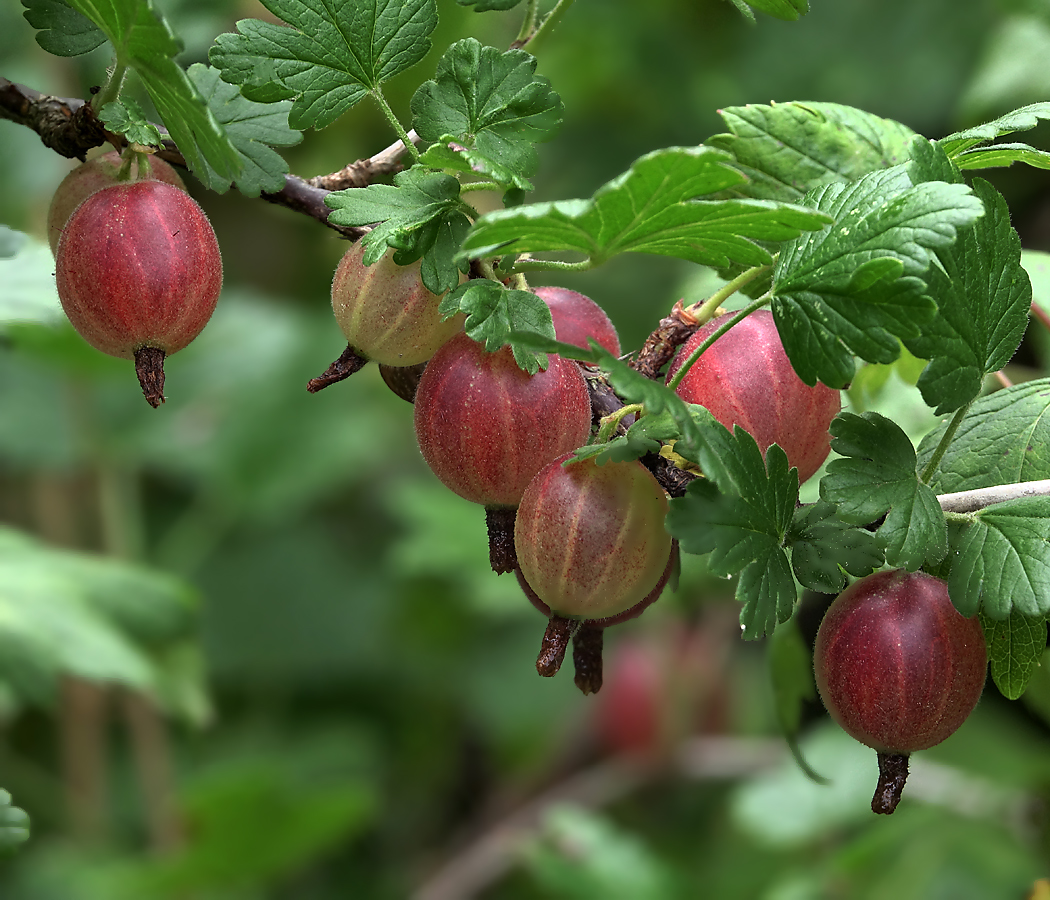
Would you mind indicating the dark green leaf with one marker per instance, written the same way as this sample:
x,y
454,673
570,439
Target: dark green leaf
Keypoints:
x,y
1023,119
127,118
840,292
1015,646
495,313
983,298
650,209
14,824
787,149
490,107
824,549
418,216
143,41
877,476
486,5
62,30
1002,561
1004,439
253,128
332,55
740,514
1001,155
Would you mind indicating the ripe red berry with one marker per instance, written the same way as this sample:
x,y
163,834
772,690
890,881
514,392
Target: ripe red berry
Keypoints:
x,y
98,173
898,667
590,539
139,272
746,379
386,313
577,318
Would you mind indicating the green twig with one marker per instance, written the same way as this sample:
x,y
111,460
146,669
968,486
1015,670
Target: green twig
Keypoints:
x,y
946,439
716,334
528,25
552,265
706,308
111,89
609,422
547,25
480,186
396,124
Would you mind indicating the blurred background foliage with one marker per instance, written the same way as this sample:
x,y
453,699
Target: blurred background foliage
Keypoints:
x,y
250,648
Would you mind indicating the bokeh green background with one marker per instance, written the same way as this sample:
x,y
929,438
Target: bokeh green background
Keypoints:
x,y
352,705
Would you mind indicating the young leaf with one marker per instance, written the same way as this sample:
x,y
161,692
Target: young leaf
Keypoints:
x,y
1004,439
1015,646
127,118
62,30
650,209
824,549
494,313
644,436
877,476
1002,561
983,298
787,149
143,41
328,57
420,215
1023,119
740,514
14,824
839,292
254,129
490,107
1001,155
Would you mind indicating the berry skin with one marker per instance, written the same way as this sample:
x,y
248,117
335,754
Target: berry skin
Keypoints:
x,y
590,539
386,313
897,666
139,272
485,427
94,175
746,379
577,318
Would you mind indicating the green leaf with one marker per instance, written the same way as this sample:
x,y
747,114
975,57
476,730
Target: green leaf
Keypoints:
x,y
495,313
1002,561
143,41
127,118
824,549
1015,646
62,30
1001,155
253,128
27,284
1004,439
1024,119
791,673
650,209
877,476
486,5
787,149
14,824
983,298
420,215
329,56
740,514
840,292
789,10
644,436
490,108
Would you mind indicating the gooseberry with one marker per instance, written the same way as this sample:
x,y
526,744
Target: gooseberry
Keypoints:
x,y
577,318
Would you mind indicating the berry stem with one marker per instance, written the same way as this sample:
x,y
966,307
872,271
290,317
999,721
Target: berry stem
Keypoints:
x,y
348,363
500,522
893,773
555,642
587,657
610,422
149,366
705,309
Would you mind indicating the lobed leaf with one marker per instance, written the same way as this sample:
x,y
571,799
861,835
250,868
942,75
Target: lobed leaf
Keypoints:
x,y
1024,119
489,108
840,292
254,130
61,29
983,297
127,118
824,549
650,209
788,149
142,40
1001,155
330,55
1015,646
876,477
